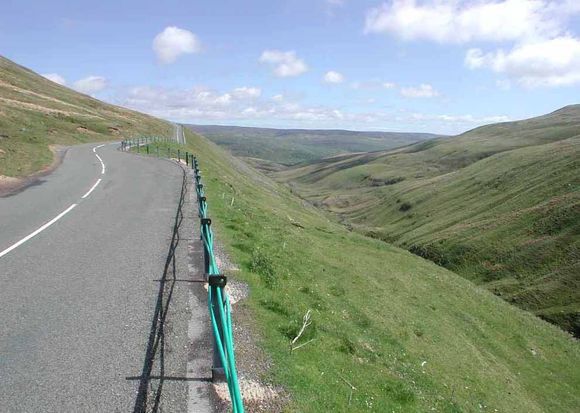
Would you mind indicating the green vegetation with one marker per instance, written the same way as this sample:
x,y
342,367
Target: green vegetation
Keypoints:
x,y
36,113
390,331
408,335
291,146
499,205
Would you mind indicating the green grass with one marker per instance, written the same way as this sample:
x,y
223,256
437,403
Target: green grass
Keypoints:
x,y
409,335
499,205
36,113
292,146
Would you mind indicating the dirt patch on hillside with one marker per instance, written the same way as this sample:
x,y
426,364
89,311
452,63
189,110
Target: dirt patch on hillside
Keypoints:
x,y
42,109
36,94
10,185
85,130
7,180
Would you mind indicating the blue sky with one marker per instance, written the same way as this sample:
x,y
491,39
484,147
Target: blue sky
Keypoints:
x,y
440,66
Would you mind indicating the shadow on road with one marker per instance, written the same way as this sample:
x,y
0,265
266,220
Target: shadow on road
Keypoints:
x,y
147,395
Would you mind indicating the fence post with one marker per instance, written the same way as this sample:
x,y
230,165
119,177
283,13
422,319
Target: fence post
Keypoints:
x,y
217,369
178,156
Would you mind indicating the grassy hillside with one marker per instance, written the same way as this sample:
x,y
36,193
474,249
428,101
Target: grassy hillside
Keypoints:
x,y
291,146
500,205
409,335
36,113
391,331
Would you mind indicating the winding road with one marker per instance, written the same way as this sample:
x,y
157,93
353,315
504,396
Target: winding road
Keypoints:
x,y
101,305
179,136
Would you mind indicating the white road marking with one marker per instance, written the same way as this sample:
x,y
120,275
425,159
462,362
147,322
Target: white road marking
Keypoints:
x,y
92,189
99,158
59,216
38,231
102,164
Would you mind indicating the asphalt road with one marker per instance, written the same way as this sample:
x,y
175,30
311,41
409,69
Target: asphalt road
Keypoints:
x,y
101,310
179,136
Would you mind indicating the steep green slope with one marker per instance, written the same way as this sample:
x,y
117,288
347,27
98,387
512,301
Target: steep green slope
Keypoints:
x,y
291,146
408,335
36,113
499,205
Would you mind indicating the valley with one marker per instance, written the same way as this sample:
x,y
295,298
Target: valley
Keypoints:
x,y
499,205
387,251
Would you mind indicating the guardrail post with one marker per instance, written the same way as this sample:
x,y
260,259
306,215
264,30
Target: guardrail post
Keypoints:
x,y
178,156
218,373
217,369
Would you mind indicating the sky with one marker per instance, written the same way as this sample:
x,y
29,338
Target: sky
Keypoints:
x,y
440,66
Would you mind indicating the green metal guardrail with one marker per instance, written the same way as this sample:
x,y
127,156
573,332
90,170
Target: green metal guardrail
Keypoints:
x,y
143,145
224,361
219,303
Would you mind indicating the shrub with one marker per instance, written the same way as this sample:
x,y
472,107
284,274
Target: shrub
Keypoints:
x,y
262,265
405,206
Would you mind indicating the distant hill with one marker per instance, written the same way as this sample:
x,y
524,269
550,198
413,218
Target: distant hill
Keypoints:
x,y
409,335
388,331
36,113
499,204
292,146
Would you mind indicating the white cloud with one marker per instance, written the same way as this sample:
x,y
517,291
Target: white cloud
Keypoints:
x,y
333,77
554,62
422,91
503,84
461,119
373,84
538,48
90,84
55,77
475,59
204,105
286,64
247,92
332,6
453,21
173,42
